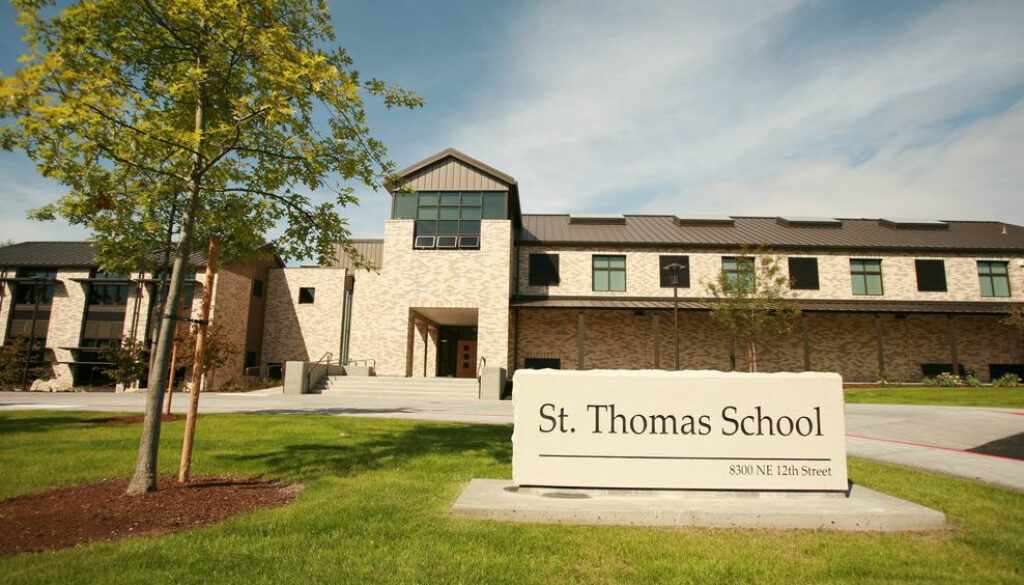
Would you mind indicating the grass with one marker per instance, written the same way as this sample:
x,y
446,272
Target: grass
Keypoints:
x,y
939,396
375,508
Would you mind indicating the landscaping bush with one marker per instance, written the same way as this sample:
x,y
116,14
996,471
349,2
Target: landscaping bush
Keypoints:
x,y
928,381
972,381
947,380
1007,381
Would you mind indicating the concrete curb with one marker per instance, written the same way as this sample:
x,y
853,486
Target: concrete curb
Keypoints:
x,y
863,511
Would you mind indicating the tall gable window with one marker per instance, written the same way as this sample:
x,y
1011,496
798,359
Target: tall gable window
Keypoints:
x,y
994,279
674,271
449,219
803,274
609,273
544,270
866,276
931,275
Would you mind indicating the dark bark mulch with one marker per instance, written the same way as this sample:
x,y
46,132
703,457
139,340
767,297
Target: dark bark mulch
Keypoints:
x,y
131,419
73,515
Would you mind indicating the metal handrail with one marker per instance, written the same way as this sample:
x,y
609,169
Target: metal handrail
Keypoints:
x,y
309,374
480,365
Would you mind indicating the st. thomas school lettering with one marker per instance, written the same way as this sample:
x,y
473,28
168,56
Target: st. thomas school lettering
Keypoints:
x,y
758,421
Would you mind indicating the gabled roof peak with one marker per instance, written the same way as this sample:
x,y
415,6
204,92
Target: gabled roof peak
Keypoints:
x,y
460,156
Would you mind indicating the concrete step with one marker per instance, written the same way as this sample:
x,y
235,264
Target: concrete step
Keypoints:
x,y
459,387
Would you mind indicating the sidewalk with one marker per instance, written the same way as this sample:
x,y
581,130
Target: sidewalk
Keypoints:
x,y
933,438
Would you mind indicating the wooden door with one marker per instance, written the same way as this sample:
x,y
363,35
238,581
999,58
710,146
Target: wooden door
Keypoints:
x,y
465,360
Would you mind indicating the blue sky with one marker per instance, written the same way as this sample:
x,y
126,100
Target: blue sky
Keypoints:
x,y
814,108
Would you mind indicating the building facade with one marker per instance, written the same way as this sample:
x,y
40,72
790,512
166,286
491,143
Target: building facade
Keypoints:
x,y
54,293
463,279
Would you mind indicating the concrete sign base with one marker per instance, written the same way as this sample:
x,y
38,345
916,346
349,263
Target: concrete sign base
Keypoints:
x,y
863,511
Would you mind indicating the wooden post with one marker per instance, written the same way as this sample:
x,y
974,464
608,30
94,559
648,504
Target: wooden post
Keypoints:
x,y
174,358
197,364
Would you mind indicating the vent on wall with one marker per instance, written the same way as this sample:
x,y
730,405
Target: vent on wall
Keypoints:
x,y
792,221
597,219
706,220
913,224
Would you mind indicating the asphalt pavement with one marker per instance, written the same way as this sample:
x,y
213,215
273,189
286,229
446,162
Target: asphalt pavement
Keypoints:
x,y
983,444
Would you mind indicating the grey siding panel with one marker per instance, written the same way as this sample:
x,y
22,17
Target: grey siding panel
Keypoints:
x,y
453,175
371,250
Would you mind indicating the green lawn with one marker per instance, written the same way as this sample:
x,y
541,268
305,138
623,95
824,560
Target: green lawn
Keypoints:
x,y
375,508
934,395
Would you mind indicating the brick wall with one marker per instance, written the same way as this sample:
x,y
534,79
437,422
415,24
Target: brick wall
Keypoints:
x,y
294,331
839,342
431,279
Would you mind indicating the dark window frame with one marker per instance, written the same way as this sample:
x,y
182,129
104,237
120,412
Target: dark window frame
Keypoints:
x,y
665,275
307,295
860,271
931,275
735,271
985,274
544,269
800,273
609,270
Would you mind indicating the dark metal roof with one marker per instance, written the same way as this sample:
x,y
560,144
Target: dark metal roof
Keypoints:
x,y
865,234
810,305
452,153
63,254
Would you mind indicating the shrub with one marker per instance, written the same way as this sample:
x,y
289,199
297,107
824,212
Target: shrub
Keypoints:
x,y
972,381
947,380
928,381
1007,381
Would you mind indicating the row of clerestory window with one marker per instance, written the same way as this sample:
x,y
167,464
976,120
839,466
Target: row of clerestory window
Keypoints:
x,y
608,273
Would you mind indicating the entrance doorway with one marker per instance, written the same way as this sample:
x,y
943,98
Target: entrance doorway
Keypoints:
x,y
457,352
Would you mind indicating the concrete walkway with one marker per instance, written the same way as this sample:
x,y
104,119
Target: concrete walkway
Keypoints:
x,y
934,438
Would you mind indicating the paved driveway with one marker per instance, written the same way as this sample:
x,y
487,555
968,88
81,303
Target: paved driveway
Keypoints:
x,y
936,438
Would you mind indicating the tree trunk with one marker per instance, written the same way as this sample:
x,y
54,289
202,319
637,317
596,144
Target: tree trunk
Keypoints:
x,y
144,479
197,365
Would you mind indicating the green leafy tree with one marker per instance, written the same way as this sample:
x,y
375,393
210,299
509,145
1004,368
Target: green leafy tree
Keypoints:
x,y
753,298
1015,319
128,361
13,356
213,118
217,348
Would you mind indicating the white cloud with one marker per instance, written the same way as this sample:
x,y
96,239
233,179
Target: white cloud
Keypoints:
x,y
670,107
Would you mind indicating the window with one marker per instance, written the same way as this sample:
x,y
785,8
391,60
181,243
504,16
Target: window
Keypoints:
x,y
609,273
866,276
535,363
737,268
108,294
257,288
25,292
803,274
931,275
994,279
669,276
449,219
250,359
306,295
544,270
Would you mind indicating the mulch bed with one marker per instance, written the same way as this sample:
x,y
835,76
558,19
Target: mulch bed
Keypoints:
x,y
73,515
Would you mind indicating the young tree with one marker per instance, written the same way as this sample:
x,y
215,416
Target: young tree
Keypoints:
x,y
215,117
217,349
1015,318
128,361
752,297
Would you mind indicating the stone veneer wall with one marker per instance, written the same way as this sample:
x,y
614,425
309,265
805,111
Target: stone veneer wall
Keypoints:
x,y
439,279
899,279
229,309
6,298
840,342
66,315
303,332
